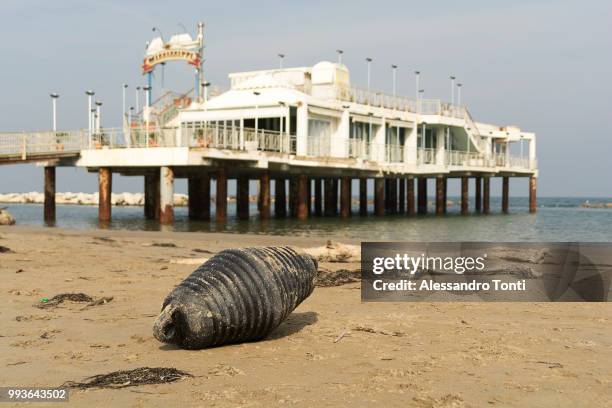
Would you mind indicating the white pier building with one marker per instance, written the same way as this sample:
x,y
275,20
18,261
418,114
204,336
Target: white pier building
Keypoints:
x,y
309,127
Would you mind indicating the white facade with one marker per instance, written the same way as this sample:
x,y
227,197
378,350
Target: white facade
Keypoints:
x,y
314,115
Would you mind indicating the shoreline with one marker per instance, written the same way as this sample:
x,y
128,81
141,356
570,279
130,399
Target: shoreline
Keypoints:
x,y
127,199
217,237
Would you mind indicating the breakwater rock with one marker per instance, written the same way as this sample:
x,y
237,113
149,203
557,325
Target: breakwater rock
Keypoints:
x,y
588,204
6,218
118,199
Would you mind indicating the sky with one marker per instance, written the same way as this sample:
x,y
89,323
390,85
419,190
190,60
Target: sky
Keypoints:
x,y
542,65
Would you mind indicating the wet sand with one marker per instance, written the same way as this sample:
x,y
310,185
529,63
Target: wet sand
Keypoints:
x,y
332,351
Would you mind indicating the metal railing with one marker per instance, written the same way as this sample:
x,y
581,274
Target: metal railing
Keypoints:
x,y
472,130
269,141
367,97
394,153
318,146
229,137
24,145
359,149
426,156
21,146
463,158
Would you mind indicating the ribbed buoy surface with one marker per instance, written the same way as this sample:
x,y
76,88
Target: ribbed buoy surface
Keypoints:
x,y
237,295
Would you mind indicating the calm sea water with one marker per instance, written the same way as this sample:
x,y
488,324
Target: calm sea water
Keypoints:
x,y
557,219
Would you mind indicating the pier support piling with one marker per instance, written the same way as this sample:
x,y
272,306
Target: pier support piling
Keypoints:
x,y
486,194
410,199
242,197
105,185
402,195
422,195
166,196
440,196
445,186
329,197
387,196
151,196
309,195
464,196
363,196
199,197
478,194
335,195
393,195
532,194
221,196
264,194
505,194
379,196
280,197
293,196
345,197
49,210
318,196
302,197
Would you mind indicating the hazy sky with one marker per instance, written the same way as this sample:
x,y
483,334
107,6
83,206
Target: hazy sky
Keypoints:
x,y
543,65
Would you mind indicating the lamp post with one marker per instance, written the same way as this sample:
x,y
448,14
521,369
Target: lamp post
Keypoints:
x,y
369,61
280,60
205,85
256,93
161,35
54,97
98,115
123,89
282,105
129,126
452,78
394,69
147,90
459,85
420,94
137,99
339,52
417,75
123,102
90,95
92,115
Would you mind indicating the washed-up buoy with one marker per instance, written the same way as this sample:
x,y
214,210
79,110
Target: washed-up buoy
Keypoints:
x,y
237,295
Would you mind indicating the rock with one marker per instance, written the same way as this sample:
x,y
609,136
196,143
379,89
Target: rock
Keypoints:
x,y
237,295
6,218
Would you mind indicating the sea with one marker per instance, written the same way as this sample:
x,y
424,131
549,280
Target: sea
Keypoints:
x,y
557,219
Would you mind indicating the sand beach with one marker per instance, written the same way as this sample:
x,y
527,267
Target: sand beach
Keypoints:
x,y
333,350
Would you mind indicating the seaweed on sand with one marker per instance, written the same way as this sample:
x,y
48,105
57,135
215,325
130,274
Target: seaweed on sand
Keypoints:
x,y
130,378
57,299
327,278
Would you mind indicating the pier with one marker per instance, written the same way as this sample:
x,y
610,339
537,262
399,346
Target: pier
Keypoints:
x,y
308,131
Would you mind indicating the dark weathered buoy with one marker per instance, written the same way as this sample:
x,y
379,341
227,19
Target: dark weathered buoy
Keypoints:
x,y
237,295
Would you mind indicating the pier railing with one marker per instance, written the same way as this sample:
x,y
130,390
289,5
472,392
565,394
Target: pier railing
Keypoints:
x,y
374,98
34,144
394,153
426,156
47,145
219,136
359,149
